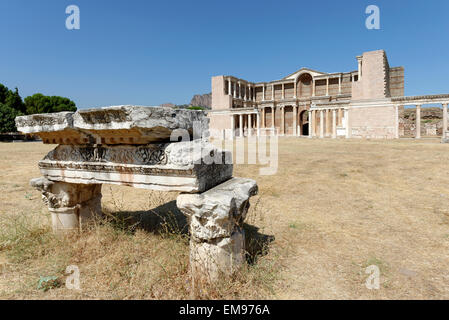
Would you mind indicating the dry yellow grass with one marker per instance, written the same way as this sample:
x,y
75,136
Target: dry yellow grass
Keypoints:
x,y
334,208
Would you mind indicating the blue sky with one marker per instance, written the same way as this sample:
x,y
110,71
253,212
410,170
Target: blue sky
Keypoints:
x,y
151,52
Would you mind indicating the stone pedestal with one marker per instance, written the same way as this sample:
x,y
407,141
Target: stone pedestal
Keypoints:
x,y
70,205
217,245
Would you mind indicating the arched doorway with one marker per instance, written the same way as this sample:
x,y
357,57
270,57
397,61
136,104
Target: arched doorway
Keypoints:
x,y
304,85
303,123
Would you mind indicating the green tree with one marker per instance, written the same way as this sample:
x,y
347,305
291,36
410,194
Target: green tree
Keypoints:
x,y
38,103
14,101
11,98
12,105
195,108
3,93
7,116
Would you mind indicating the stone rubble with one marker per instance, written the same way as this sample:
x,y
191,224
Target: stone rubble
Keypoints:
x,y
129,145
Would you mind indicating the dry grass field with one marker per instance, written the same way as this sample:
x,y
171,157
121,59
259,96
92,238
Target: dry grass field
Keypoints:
x,y
333,209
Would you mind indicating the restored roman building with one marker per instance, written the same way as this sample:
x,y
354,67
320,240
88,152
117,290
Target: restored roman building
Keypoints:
x,y
364,103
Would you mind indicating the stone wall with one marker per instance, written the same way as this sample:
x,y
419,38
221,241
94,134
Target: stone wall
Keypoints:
x,y
220,100
374,83
372,122
397,82
431,122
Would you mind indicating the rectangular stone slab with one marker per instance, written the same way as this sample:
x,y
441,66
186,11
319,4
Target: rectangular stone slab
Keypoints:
x,y
112,125
181,166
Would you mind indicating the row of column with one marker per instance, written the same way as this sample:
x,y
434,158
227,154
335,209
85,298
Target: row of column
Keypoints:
x,y
296,129
324,122
418,121
247,121
239,90
247,125
264,98
247,92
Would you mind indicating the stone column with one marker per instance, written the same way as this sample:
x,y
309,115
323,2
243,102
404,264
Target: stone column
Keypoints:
x,y
295,88
313,87
444,120
234,92
340,116
263,118
272,92
273,121
348,134
229,87
327,86
232,126
217,238
241,125
263,92
295,121
258,124
321,124
310,123
334,124
283,120
250,125
70,205
359,60
283,91
328,123
339,84
240,91
396,122
418,121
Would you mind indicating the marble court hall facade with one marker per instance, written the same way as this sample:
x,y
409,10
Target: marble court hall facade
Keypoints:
x,y
365,103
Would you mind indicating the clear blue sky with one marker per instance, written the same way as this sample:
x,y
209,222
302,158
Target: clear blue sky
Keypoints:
x,y
150,52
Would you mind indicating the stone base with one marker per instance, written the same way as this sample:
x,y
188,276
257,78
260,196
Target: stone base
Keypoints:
x,y
216,225
209,260
70,205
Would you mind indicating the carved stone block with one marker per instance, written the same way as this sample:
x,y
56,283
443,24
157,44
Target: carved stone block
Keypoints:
x,y
71,205
216,220
114,125
192,166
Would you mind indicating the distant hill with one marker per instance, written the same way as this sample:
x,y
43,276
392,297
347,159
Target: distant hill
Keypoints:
x,y
202,100
168,105
198,100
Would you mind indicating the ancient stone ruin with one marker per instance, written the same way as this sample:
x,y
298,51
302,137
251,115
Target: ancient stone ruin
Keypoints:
x,y
138,147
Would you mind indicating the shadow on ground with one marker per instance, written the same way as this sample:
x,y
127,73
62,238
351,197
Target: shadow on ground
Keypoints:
x,y
168,219
257,244
164,219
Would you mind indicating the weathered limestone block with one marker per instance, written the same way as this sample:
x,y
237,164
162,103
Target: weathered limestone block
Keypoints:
x,y
208,260
216,220
71,205
192,166
113,125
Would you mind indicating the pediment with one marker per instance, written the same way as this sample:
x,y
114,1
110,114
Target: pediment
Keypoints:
x,y
303,70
